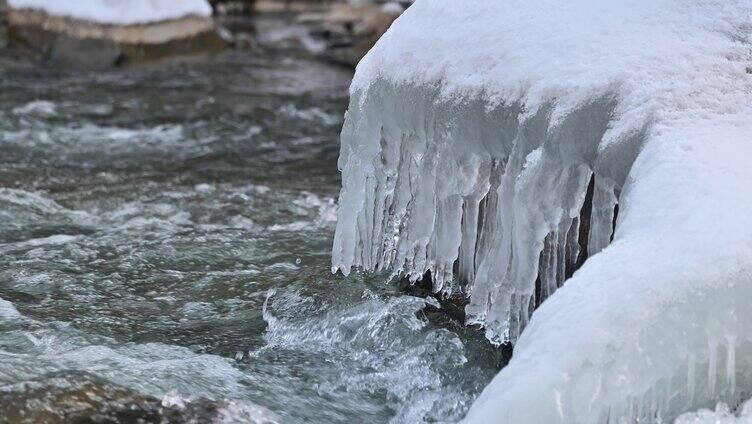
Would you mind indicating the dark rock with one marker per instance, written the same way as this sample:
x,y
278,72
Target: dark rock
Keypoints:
x,y
291,6
71,398
350,30
452,314
232,7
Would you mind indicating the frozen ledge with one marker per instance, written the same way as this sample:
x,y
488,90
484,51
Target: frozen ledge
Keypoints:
x,y
491,145
497,206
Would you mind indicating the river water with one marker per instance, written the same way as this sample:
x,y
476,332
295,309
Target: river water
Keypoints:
x,y
165,240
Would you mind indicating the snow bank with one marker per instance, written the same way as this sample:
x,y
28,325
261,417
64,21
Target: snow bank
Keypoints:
x,y
656,323
118,12
491,143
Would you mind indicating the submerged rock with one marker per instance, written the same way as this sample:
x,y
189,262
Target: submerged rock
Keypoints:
x,y
104,35
290,6
232,7
72,398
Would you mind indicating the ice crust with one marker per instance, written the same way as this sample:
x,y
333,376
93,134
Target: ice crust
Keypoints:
x,y
473,134
118,12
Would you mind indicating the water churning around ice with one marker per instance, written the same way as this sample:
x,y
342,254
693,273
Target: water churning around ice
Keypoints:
x,y
146,215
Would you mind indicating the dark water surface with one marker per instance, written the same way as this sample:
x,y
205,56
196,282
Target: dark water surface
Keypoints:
x,y
165,241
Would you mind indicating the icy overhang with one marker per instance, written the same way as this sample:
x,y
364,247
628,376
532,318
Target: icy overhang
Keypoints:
x,y
484,138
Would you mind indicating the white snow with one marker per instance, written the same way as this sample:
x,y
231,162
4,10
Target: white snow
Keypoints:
x,y
721,415
473,132
118,12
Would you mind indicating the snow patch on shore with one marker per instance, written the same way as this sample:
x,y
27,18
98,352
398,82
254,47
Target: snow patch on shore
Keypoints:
x,y
118,12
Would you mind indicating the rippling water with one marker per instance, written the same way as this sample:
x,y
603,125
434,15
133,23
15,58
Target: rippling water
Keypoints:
x,y
165,241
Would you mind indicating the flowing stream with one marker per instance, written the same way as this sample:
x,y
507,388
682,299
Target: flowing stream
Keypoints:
x,y
165,242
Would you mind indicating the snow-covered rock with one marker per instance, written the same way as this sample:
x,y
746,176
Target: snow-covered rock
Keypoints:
x,y
118,12
492,144
104,33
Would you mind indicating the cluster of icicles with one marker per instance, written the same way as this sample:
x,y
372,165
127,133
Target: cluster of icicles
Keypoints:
x,y
499,205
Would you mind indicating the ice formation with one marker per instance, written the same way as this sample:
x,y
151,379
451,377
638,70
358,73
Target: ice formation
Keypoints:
x,y
721,415
118,12
500,144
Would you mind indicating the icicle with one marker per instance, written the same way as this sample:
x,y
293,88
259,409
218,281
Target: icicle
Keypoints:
x,y
631,405
731,363
602,217
712,365
666,398
691,378
572,246
654,402
478,197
